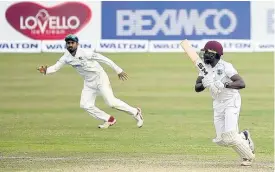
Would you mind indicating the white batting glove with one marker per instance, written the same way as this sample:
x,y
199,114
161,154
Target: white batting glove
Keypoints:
x,y
215,90
219,85
206,82
216,87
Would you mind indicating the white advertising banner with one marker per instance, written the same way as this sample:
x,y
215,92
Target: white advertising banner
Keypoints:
x,y
171,46
122,46
50,20
235,45
129,46
59,46
262,21
24,46
264,47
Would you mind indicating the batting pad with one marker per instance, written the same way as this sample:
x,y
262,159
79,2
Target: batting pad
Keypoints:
x,y
219,141
234,140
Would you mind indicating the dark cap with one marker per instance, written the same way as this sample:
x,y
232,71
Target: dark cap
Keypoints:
x,y
71,37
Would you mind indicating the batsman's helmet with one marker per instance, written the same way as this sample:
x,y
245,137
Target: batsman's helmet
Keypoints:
x,y
214,46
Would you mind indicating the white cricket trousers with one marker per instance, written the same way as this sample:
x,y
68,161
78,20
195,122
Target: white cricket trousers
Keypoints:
x,y
226,121
226,118
101,86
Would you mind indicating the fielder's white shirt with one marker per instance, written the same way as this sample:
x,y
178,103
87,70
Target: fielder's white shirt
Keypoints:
x,y
85,63
223,71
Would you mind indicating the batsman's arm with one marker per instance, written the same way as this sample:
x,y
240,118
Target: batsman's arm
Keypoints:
x,y
199,86
238,82
102,59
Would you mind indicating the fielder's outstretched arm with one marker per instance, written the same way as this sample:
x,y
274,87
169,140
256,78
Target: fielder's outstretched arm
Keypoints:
x,y
102,59
199,87
54,68
238,82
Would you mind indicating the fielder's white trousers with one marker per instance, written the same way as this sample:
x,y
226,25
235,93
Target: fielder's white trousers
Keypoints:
x,y
101,86
226,117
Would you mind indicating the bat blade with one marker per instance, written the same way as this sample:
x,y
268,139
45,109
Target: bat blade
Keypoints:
x,y
192,54
190,51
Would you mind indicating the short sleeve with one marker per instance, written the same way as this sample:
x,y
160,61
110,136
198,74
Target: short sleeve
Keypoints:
x,y
230,70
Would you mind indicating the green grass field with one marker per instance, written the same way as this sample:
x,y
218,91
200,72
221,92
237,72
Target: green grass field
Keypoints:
x,y
43,128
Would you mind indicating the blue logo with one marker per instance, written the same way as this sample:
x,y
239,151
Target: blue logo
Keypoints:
x,y
175,20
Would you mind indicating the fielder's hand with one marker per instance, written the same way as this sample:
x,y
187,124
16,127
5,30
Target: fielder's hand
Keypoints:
x,y
123,76
42,69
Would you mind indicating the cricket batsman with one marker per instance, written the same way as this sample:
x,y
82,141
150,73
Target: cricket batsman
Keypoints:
x,y
96,81
224,83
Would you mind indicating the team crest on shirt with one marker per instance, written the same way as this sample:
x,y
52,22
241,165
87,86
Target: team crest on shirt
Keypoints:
x,y
80,58
219,72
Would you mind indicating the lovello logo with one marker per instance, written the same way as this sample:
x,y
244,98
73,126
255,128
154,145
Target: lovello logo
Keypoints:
x,y
48,23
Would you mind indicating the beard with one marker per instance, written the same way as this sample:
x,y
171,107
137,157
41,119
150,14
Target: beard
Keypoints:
x,y
209,57
207,61
71,50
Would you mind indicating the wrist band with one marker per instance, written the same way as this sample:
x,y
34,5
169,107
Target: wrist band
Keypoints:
x,y
226,85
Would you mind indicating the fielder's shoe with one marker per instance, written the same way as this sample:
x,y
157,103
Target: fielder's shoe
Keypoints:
x,y
246,162
250,141
139,118
108,123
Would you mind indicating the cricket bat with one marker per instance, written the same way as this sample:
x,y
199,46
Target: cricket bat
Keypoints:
x,y
192,54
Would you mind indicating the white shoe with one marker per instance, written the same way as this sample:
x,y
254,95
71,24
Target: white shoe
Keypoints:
x,y
246,162
139,118
250,141
108,123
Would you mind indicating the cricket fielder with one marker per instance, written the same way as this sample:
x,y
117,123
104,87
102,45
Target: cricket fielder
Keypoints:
x,y
224,83
96,81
